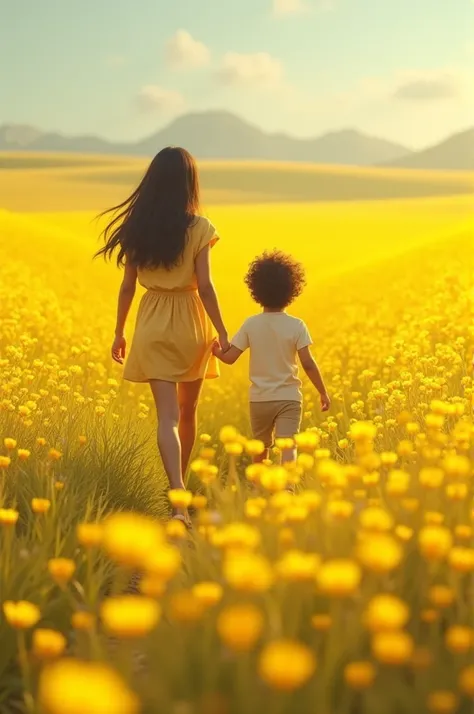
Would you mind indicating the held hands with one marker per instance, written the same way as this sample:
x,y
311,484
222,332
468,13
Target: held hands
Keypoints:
x,y
325,402
119,346
223,342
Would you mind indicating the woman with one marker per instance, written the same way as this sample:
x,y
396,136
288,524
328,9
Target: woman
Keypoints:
x,y
162,241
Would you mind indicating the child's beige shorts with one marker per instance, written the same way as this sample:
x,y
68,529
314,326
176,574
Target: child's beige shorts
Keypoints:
x,y
281,417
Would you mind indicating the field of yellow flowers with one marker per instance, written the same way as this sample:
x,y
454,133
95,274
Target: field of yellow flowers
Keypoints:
x,y
349,593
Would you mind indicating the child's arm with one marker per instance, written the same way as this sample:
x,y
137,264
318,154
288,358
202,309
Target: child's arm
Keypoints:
x,y
125,299
229,356
208,295
314,375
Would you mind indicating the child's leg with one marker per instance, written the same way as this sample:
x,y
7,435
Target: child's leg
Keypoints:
x,y
188,398
287,424
166,400
262,421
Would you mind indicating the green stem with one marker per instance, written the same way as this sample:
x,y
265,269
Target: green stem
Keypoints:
x,y
26,673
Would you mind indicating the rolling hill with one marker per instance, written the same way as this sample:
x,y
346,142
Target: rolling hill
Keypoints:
x,y
455,153
218,135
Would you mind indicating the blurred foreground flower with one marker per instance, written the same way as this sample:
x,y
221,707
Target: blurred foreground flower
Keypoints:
x,y
21,615
129,538
130,615
48,644
73,687
240,626
286,665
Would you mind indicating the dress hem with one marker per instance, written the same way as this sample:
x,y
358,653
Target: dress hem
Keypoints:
x,y
162,379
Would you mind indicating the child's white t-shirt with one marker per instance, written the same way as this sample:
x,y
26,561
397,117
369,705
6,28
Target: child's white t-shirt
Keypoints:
x,y
274,339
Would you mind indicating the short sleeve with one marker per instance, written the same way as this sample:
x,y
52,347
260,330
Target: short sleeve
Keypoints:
x,y
206,234
303,338
241,339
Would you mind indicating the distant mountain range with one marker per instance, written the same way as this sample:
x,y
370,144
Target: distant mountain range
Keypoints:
x,y
222,135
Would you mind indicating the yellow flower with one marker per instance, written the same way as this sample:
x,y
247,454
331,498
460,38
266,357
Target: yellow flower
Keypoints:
x,y
463,532
199,502
179,498
21,615
339,577
233,448
5,462
23,454
238,536
82,440
89,535
457,491
466,681
285,444
431,477
286,665
79,687
61,569
83,620
429,615
441,595
254,472
442,702
311,499
404,533
59,485
461,559
394,648
40,505
152,586
435,542
340,509
296,566
240,626
456,466
209,593
359,675
385,613
379,553
375,520
362,431
186,607
48,644
8,516
41,441
129,538
307,441
459,639
228,434
130,615
176,529
247,572
164,562
274,478
321,622
9,444
254,447
54,454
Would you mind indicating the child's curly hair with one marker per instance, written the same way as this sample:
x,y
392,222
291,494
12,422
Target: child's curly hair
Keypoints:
x,y
275,279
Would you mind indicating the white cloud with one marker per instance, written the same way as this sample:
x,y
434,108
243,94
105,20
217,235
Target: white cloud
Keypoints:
x,y
184,52
152,98
259,69
289,7
428,86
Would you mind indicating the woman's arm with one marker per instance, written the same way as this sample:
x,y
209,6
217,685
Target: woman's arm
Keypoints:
x,y
208,294
125,299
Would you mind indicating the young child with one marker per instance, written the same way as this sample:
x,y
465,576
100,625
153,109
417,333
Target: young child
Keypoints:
x,y
164,243
275,339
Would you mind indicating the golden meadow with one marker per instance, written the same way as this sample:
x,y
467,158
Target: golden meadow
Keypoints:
x,y
351,595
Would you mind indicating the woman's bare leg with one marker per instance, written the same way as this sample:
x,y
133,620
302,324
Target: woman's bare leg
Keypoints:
x,y
188,398
165,395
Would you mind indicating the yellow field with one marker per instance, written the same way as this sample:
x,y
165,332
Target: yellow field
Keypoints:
x,y
356,592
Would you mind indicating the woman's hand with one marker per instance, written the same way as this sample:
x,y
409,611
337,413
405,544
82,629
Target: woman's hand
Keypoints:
x,y
118,348
224,342
325,402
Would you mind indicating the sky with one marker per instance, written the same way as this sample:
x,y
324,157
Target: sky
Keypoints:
x,y
398,69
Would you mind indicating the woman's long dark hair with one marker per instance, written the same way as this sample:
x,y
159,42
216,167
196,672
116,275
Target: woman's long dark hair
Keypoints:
x,y
149,228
